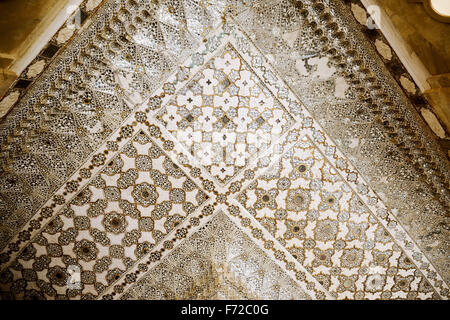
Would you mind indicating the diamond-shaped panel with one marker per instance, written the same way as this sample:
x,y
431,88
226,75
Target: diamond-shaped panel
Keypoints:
x,y
225,115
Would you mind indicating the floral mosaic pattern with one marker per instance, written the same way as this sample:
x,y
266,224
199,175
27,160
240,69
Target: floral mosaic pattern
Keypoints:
x,y
138,198
225,115
218,261
86,94
356,107
304,203
147,194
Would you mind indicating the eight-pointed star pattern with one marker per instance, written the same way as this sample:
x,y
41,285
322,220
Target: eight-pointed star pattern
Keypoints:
x,y
223,145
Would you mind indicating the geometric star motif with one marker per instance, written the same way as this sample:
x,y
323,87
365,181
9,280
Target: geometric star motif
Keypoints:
x,y
141,219
225,115
203,267
324,225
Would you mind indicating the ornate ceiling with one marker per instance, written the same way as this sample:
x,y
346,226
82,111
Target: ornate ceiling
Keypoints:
x,y
221,149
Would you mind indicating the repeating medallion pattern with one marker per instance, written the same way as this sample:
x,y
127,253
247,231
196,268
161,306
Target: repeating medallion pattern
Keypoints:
x,y
85,95
138,198
225,115
211,175
304,203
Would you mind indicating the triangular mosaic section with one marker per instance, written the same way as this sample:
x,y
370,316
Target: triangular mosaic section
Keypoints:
x,y
219,261
138,198
307,206
87,92
225,99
